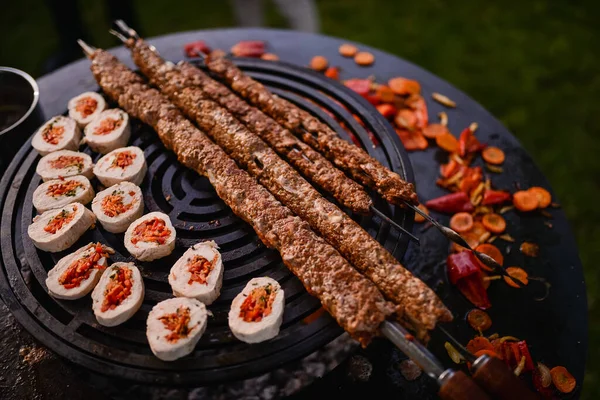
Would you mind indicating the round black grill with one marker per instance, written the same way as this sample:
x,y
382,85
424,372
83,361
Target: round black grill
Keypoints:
x,y
69,327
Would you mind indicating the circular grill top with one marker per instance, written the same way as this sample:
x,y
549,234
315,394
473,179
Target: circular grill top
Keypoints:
x,y
69,327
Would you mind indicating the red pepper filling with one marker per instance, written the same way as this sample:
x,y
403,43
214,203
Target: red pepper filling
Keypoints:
x,y
60,220
200,268
153,230
81,269
118,289
86,106
107,126
123,159
67,161
258,304
113,205
68,188
52,134
177,323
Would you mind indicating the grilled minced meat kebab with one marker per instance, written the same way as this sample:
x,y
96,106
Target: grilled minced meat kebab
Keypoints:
x,y
419,306
354,301
346,156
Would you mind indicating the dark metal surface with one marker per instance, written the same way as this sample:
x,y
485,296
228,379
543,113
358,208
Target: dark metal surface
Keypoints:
x,y
556,329
69,328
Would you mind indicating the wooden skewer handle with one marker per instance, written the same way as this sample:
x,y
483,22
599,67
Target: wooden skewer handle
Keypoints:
x,y
498,380
456,385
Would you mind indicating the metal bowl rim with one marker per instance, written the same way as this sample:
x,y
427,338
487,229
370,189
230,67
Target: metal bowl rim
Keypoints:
x,y
36,95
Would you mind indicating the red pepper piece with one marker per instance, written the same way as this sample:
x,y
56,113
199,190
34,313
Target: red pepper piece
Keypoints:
x,y
524,350
360,86
417,103
194,49
373,98
492,197
249,48
451,203
449,169
468,278
471,179
387,110
468,143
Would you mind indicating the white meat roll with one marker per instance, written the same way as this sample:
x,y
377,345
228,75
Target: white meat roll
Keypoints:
x,y
124,164
150,237
118,295
118,206
77,274
86,107
198,273
174,327
109,131
257,312
57,229
65,163
60,192
59,133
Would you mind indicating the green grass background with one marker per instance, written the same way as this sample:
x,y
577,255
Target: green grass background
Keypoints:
x,y
533,64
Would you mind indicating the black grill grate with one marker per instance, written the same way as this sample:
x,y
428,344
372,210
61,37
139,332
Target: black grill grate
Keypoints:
x,y
69,327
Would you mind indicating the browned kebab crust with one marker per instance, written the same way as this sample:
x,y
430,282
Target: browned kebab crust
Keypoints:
x,y
419,307
316,168
353,300
354,160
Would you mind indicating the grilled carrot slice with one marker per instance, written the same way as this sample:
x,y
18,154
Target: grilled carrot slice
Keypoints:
x,y
432,131
403,86
479,320
419,217
516,273
525,200
479,343
364,58
348,50
493,155
494,223
406,118
447,142
319,63
543,196
478,228
562,379
461,222
492,251
471,239
412,140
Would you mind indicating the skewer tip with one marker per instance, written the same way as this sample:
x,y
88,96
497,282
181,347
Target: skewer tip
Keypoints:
x,y
126,29
119,35
87,49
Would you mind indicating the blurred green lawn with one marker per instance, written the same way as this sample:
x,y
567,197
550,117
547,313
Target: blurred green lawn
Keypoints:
x,y
533,64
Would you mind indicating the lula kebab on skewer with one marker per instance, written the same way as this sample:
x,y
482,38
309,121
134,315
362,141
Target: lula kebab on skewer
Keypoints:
x,y
419,306
353,301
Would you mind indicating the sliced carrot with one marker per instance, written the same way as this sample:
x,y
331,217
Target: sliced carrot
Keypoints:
x,y
406,118
478,228
493,155
516,273
386,95
543,196
494,223
432,131
386,109
364,58
530,249
562,379
333,73
403,86
270,57
319,63
348,50
479,320
472,240
525,200
418,217
447,142
492,251
461,222
412,140
479,343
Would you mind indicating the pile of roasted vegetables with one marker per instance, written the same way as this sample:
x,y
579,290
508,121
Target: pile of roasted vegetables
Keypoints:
x,y
476,208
